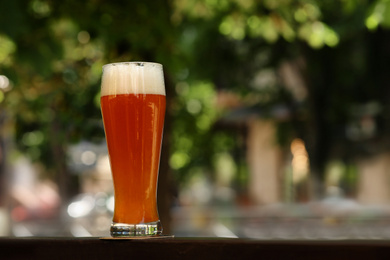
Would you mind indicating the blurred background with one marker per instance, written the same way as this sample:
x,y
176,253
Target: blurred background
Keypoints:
x,y
277,127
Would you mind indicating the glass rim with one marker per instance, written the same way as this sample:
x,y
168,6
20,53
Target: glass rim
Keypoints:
x,y
134,63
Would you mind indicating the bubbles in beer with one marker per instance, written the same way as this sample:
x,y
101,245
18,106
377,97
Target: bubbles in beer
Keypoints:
x,y
132,78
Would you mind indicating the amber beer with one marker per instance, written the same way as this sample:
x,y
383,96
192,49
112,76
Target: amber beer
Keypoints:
x,y
133,109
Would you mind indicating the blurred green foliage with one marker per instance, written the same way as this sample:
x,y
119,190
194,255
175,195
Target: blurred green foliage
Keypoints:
x,y
53,51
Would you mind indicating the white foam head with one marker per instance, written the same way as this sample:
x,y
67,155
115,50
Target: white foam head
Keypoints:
x,y
132,78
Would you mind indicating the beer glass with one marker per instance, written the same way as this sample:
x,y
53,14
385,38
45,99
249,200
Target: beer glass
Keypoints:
x,y
133,110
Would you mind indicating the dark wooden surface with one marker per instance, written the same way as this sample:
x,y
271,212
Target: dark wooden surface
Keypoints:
x,y
186,248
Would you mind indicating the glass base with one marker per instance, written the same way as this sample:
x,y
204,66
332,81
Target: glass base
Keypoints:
x,y
135,230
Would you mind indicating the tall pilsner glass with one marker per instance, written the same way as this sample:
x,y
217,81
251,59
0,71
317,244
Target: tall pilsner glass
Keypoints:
x,y
133,109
